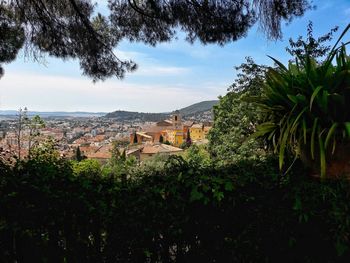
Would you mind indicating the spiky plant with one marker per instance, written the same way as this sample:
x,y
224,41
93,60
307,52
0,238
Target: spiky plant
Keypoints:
x,y
307,106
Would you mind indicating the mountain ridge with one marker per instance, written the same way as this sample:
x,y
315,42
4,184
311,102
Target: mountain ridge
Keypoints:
x,y
186,112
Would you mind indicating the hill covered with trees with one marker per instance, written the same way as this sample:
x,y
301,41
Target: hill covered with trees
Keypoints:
x,y
187,112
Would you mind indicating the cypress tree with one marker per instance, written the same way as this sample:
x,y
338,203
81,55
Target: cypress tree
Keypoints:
x,y
135,138
188,139
78,155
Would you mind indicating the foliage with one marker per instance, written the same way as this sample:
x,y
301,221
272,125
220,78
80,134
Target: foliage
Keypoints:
x,y
179,213
71,29
22,120
153,165
45,151
34,125
197,156
119,164
314,47
86,168
235,118
306,106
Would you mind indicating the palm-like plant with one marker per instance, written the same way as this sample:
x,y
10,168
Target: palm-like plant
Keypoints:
x,y
307,106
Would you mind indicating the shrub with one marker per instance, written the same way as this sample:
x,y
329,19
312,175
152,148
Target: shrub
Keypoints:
x,y
246,212
306,106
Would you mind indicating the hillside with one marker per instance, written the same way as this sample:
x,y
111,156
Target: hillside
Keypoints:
x,y
46,114
132,115
198,107
196,110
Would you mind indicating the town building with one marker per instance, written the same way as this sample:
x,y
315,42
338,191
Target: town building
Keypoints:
x,y
173,131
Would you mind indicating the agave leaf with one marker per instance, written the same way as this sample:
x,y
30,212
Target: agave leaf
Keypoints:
x,y
322,158
339,79
272,134
294,69
279,63
332,53
347,128
264,129
314,94
304,130
330,134
283,145
297,118
293,98
324,101
334,144
301,98
341,36
312,143
309,81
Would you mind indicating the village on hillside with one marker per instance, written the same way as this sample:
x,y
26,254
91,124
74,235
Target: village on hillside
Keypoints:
x,y
167,137
95,138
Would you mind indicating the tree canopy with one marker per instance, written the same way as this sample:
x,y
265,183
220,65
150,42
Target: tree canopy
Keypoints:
x,y
71,29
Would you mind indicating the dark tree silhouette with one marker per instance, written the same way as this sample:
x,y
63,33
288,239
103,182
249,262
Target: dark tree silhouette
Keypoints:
x,y
188,139
135,138
78,155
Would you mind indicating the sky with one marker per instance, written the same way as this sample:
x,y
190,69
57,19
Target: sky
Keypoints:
x,y
170,76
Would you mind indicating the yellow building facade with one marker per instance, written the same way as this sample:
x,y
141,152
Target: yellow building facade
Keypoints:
x,y
175,137
197,132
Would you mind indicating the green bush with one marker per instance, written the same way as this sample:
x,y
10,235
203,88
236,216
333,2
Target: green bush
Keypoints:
x,y
307,107
246,212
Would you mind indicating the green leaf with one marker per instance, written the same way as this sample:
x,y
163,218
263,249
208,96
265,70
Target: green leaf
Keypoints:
x,y
279,64
195,195
347,128
314,94
313,139
229,186
322,158
297,118
304,130
330,134
293,98
283,145
297,205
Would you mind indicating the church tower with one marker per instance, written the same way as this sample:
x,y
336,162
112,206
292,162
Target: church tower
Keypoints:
x,y
177,122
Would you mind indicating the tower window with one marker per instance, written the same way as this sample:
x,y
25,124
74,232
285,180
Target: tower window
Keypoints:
x,y
175,118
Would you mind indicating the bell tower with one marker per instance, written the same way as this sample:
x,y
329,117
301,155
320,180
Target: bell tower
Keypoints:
x,y
176,119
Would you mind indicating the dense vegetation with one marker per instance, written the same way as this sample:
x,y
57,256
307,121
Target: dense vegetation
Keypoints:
x,y
53,211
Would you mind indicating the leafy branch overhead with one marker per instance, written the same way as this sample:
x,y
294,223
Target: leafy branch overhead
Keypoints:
x,y
71,29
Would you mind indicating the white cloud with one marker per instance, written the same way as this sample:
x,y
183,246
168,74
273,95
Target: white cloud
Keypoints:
x,y
40,92
161,71
148,66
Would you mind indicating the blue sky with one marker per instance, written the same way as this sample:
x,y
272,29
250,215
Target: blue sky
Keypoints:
x,y
170,76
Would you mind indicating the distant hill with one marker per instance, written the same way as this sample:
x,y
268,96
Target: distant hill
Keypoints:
x,y
192,111
197,111
133,115
44,114
198,107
